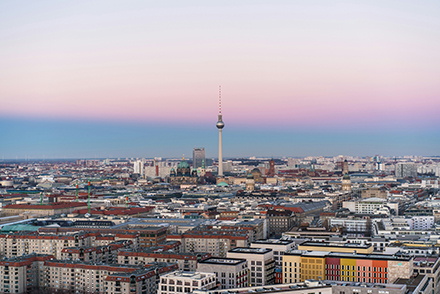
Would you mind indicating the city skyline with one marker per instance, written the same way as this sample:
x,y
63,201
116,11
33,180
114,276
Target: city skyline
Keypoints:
x,y
111,79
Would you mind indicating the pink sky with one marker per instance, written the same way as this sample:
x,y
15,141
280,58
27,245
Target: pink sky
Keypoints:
x,y
286,63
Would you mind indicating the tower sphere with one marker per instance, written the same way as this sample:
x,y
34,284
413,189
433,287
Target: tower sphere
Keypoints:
x,y
220,124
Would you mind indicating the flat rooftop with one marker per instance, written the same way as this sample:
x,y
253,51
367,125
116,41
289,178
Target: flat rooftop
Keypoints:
x,y
349,255
332,244
246,250
191,275
279,288
427,262
273,242
223,261
365,285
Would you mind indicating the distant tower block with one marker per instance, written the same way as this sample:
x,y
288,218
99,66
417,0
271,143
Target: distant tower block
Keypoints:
x,y
198,157
220,125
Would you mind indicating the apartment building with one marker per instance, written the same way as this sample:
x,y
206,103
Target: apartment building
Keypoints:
x,y
280,221
149,236
82,277
22,274
186,261
186,282
104,254
256,228
353,225
230,272
103,240
278,248
215,242
351,267
421,222
24,243
370,205
141,281
261,264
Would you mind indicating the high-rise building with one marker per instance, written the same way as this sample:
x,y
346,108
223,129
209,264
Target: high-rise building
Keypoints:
x,y
404,170
138,167
220,125
198,157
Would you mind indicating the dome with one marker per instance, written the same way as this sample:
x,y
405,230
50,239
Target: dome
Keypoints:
x,y
346,177
183,164
256,170
250,176
222,184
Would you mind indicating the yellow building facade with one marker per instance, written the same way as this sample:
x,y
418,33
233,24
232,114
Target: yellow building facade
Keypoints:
x,y
312,268
348,269
291,269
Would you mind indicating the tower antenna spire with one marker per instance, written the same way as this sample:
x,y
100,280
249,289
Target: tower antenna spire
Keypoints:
x,y
220,100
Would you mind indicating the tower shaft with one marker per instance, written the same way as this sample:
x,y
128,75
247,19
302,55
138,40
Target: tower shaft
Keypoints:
x,y
220,154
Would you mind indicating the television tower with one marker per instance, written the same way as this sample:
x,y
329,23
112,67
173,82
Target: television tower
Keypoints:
x,y
220,125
